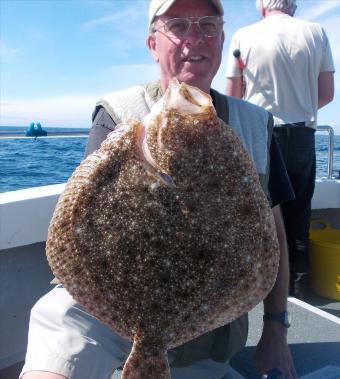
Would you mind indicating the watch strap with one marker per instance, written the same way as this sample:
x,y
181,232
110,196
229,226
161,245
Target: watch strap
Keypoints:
x,y
282,317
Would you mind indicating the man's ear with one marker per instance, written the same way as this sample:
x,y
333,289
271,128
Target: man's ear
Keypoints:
x,y
151,43
223,38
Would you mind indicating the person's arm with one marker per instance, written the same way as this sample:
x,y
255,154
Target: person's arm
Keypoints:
x,y
234,71
325,88
272,350
281,191
234,87
102,125
276,301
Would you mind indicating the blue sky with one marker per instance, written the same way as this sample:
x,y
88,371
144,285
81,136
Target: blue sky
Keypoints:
x,y
59,56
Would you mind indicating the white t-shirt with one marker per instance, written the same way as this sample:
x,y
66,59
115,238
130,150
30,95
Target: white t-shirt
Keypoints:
x,y
283,57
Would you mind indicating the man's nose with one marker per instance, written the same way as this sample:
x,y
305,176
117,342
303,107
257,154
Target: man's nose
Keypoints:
x,y
194,33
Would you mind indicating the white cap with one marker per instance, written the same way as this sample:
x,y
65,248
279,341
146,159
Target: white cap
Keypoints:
x,y
159,7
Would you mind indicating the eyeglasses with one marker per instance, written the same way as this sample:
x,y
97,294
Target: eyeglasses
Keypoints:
x,y
209,26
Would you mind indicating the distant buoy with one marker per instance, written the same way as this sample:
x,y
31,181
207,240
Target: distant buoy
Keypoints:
x,y
35,130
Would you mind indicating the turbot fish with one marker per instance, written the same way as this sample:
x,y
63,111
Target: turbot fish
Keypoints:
x,y
164,232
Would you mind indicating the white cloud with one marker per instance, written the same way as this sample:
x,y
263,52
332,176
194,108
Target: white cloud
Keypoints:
x,y
119,19
74,110
122,76
331,26
129,14
63,111
319,9
114,30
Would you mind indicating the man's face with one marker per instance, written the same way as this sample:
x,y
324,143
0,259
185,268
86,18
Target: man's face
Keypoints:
x,y
194,58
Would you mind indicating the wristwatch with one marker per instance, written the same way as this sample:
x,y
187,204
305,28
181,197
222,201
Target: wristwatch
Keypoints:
x,y
282,317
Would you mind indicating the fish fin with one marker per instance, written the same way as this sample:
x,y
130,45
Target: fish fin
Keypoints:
x,y
55,281
147,160
141,366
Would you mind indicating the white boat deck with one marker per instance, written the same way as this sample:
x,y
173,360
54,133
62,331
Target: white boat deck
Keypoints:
x,y
314,339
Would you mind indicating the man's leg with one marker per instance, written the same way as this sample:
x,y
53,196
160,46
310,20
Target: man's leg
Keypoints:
x,y
297,238
298,150
66,342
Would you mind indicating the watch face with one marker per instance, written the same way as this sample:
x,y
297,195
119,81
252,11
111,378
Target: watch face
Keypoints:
x,y
287,319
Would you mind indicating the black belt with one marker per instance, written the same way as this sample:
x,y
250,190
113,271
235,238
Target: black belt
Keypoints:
x,y
293,124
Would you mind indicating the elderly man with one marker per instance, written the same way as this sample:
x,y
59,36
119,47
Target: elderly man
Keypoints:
x,y
285,65
186,39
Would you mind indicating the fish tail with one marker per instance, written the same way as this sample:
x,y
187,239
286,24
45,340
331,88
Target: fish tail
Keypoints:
x,y
140,365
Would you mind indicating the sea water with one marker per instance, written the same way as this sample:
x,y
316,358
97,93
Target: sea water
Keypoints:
x,y
29,162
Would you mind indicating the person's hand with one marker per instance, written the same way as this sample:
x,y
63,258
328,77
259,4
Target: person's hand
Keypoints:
x,y
273,352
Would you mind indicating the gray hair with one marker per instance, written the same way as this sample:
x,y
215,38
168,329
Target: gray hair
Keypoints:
x,y
288,6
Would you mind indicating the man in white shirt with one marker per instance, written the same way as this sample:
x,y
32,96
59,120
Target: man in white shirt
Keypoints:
x,y
285,65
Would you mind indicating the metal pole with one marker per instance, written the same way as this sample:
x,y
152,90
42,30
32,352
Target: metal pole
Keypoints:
x,y
330,130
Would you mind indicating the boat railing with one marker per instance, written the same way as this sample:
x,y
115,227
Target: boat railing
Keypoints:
x,y
330,130
55,134
75,134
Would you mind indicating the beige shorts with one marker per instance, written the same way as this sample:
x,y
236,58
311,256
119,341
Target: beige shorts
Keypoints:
x,y
64,339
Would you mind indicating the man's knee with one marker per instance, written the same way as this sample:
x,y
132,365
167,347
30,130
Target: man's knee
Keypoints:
x,y
42,375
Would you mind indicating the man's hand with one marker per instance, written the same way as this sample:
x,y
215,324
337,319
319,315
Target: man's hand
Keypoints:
x,y
273,352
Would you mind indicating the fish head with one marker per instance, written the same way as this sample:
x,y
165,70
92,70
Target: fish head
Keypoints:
x,y
178,120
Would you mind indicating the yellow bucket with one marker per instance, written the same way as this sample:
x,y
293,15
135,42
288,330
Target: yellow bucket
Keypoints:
x,y
325,259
